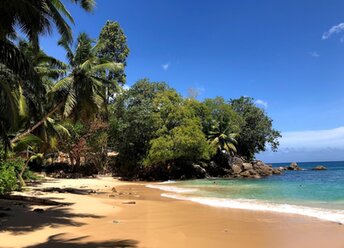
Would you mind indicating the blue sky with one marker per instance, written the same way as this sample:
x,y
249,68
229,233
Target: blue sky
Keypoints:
x,y
282,53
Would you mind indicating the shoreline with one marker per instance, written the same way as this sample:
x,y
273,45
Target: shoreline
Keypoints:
x,y
133,215
185,194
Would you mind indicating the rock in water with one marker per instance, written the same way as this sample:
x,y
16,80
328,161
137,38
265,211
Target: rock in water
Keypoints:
x,y
319,167
293,166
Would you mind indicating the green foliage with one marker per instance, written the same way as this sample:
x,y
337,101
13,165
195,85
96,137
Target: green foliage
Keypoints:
x,y
179,138
256,131
132,125
8,178
114,48
9,171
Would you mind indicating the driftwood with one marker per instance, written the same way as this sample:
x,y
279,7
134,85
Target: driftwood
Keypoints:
x,y
32,200
69,190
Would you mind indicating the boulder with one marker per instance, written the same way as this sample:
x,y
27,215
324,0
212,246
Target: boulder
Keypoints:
x,y
277,171
199,171
235,169
237,161
264,170
215,170
247,166
319,167
250,174
293,166
245,174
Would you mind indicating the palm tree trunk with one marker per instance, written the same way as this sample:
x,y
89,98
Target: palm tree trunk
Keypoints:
x,y
28,131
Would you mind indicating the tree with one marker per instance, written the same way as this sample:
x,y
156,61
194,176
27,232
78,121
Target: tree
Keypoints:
x,y
179,140
132,125
114,48
257,131
80,94
33,18
36,17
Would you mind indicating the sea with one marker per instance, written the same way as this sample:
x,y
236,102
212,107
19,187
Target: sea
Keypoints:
x,y
317,194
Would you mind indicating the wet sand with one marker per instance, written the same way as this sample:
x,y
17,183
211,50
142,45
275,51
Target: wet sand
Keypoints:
x,y
136,216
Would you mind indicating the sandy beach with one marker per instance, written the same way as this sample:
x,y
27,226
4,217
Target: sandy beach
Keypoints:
x,y
123,214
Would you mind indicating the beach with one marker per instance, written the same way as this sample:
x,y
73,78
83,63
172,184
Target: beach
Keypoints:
x,y
114,213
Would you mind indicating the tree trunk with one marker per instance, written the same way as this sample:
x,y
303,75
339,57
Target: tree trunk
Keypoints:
x,y
28,131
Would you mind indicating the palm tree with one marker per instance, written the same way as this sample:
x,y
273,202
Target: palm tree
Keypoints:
x,y
34,18
81,94
223,140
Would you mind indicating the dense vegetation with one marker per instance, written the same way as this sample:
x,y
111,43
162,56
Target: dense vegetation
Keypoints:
x,y
80,111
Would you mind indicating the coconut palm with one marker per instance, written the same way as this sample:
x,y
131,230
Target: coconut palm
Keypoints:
x,y
36,17
79,95
222,139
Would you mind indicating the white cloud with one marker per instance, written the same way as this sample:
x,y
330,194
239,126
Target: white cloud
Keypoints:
x,y
333,30
166,66
314,54
310,140
261,103
313,145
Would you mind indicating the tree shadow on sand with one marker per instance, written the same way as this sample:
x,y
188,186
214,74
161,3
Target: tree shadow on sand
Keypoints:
x,y
57,241
27,220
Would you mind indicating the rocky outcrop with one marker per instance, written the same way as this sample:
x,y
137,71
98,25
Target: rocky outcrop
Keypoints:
x,y
255,169
319,167
293,166
199,171
238,168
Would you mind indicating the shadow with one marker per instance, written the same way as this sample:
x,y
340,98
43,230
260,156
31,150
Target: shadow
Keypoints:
x,y
22,218
57,241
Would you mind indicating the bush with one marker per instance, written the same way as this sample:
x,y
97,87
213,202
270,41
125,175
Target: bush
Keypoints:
x,y
9,170
8,177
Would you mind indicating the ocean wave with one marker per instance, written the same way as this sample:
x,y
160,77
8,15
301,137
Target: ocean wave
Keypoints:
x,y
323,214
174,189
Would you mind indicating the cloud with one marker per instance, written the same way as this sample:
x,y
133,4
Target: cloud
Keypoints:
x,y
166,66
312,145
333,30
261,103
314,54
319,139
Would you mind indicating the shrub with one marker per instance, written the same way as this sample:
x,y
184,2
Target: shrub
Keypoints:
x,y
8,177
9,170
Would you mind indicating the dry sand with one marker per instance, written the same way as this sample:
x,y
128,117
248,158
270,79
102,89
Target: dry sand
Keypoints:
x,y
103,220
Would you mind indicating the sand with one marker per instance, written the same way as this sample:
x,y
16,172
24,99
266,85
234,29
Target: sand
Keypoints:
x,y
136,216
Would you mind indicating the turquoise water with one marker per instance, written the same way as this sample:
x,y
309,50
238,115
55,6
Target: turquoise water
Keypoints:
x,y
313,193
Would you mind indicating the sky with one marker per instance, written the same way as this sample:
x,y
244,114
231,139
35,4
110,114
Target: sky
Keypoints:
x,y
288,55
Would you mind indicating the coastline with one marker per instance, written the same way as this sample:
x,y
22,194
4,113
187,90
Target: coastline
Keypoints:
x,y
110,219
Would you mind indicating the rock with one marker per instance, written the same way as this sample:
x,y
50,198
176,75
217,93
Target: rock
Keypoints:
x,y
199,171
236,169
215,170
238,161
276,171
319,167
245,174
293,166
129,202
115,221
114,190
38,210
112,196
247,166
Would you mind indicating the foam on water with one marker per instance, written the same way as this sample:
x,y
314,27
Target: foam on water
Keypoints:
x,y
162,186
323,214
